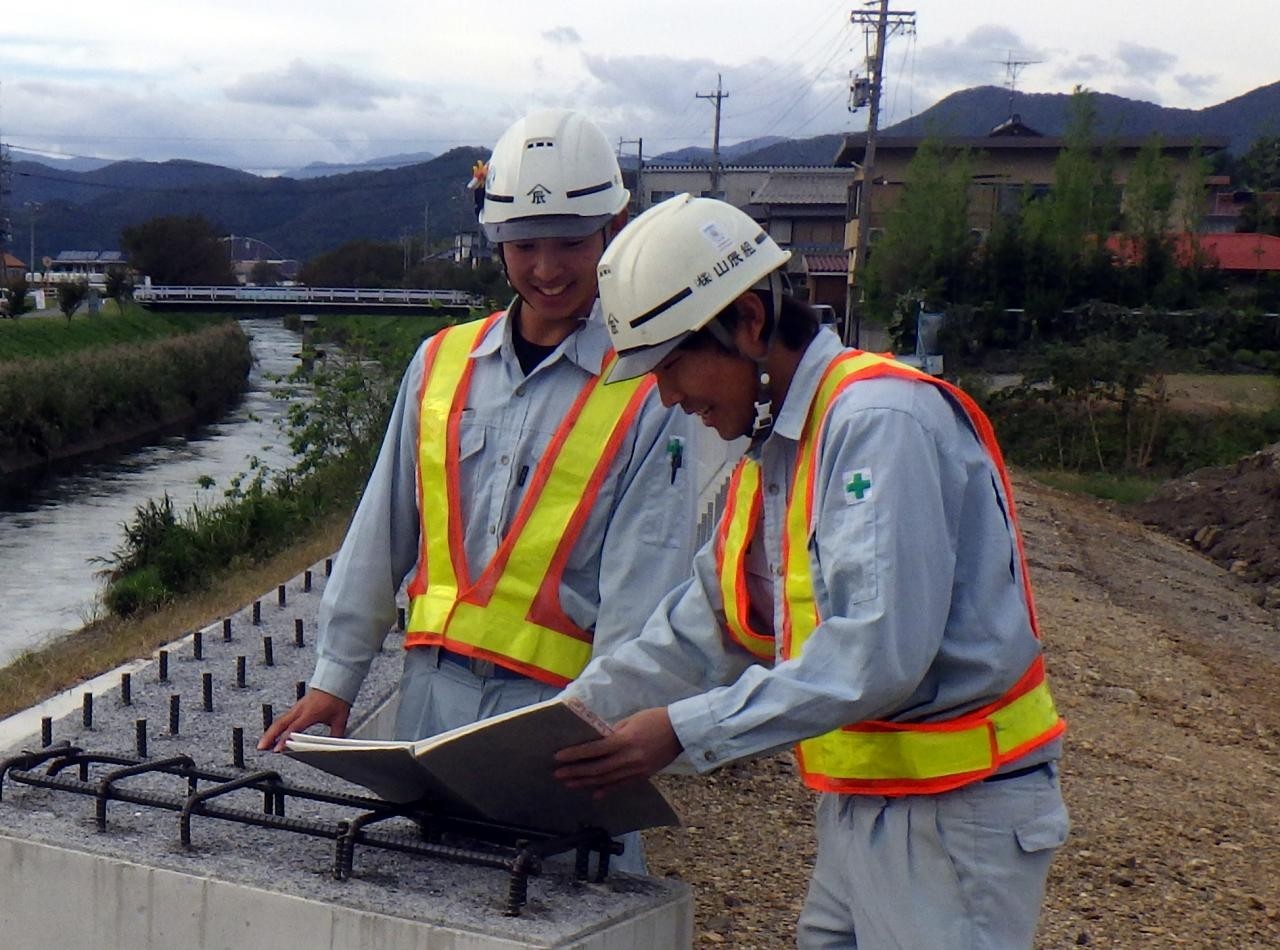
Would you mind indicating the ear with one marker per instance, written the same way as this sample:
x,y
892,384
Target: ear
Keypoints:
x,y
619,222
748,334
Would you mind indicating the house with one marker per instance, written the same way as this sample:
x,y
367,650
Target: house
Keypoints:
x,y
91,266
1007,164
11,268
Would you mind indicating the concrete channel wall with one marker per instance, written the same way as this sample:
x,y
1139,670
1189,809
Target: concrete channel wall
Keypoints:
x,y
134,885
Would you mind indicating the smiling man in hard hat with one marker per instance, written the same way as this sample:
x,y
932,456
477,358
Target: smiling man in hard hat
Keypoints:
x,y
865,599
536,512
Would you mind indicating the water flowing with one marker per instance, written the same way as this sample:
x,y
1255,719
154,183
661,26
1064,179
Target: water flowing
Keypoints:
x,y
49,539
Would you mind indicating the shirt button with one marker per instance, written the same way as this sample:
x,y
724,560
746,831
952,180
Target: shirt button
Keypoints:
x,y
781,571
773,488
709,756
493,529
519,390
504,460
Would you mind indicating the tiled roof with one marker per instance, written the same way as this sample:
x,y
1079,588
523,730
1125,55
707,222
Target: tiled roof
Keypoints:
x,y
1228,252
8,260
89,257
826,263
812,187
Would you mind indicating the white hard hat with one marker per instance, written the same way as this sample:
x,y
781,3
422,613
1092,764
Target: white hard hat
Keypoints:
x,y
552,174
670,271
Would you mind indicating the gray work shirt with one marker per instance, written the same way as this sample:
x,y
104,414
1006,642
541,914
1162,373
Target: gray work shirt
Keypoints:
x,y
916,576
635,546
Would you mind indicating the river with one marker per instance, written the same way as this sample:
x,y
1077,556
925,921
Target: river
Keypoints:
x,y
49,583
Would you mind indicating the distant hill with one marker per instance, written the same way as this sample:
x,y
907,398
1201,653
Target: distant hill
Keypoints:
x,y
976,111
299,218
696,154
321,169
317,210
72,164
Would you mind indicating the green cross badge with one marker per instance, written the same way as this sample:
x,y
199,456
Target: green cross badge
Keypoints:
x,y
857,486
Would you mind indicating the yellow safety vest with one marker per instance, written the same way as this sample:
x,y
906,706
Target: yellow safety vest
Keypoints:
x,y
875,757
511,613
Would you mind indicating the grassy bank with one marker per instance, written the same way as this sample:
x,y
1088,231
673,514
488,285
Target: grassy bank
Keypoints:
x,y
31,338
86,396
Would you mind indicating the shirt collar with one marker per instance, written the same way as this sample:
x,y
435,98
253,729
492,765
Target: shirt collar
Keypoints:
x,y
822,349
585,347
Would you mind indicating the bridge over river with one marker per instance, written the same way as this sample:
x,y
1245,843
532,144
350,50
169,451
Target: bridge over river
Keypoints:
x,y
278,300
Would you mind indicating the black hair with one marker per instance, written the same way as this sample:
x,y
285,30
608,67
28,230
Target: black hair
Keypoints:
x,y
797,323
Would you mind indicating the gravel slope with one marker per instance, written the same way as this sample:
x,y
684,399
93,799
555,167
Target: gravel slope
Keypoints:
x,y
1167,671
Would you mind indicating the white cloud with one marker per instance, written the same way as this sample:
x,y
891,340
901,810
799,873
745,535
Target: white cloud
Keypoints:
x,y
301,85
563,36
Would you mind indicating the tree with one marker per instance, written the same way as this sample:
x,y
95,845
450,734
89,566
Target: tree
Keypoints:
x,y
16,295
926,248
356,264
178,249
1259,168
119,286
265,274
70,295
1064,231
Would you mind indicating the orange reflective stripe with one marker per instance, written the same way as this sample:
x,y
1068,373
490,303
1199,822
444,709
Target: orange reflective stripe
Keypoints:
x,y
733,537
511,613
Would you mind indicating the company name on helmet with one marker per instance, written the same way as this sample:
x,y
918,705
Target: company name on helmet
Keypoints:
x,y
736,257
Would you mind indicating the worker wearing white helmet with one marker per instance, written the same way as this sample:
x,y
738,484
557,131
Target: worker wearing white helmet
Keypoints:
x,y
865,600
535,512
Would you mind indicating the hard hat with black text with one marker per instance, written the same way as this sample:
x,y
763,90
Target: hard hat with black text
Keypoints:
x,y
670,271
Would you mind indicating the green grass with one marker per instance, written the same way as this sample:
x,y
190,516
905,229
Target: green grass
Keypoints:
x,y
1124,489
35,338
390,340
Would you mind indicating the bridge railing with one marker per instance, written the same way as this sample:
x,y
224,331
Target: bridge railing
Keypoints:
x,y
307,295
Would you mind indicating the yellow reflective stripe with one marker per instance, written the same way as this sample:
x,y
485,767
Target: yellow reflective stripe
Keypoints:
x,y
932,751
802,611
501,626
431,610
735,536
1025,719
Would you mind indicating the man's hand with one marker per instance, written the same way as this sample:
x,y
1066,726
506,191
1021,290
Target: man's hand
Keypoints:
x,y
639,747
316,706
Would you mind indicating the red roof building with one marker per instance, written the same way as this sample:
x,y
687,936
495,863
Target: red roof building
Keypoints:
x,y
1231,253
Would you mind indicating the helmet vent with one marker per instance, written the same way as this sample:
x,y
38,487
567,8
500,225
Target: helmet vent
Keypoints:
x,y
662,307
540,143
592,190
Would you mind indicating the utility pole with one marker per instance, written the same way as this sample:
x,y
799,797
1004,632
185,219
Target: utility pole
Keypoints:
x,y
877,21
639,144
717,96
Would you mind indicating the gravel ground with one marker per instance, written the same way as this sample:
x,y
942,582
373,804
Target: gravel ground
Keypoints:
x,y
1166,668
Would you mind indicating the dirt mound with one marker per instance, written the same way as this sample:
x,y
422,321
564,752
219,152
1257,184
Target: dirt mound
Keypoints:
x,y
1231,514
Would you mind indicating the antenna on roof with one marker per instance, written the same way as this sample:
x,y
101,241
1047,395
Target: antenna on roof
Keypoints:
x,y
1011,68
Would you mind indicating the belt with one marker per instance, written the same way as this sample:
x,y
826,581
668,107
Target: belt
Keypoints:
x,y
1017,773
483,669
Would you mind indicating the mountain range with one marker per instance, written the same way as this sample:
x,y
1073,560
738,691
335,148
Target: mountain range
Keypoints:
x,y
318,207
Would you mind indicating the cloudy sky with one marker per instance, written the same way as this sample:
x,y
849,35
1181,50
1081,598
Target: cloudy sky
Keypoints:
x,y
267,86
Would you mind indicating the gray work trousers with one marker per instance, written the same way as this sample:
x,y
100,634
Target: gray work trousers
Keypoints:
x,y
438,696
964,870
